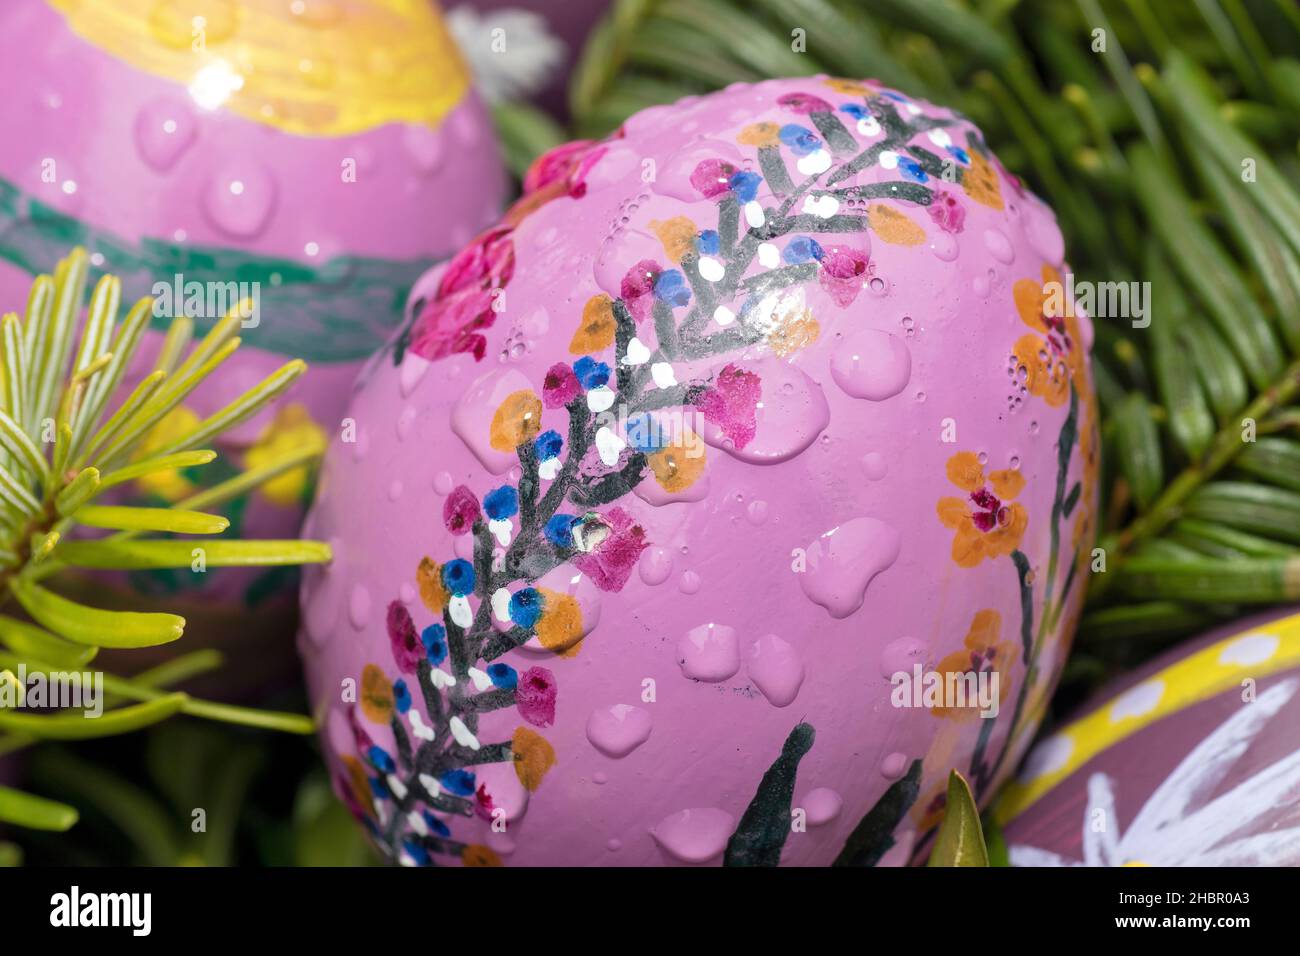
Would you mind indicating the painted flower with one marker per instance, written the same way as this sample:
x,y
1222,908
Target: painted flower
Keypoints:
x,y
637,288
732,404
171,485
1192,819
847,87
794,329
843,273
565,166
763,135
677,466
503,676
980,182
800,139
359,735
893,226
535,696
559,629
463,305
408,651
982,653
518,419
804,104
598,327
560,386
987,522
460,510
610,547
671,288
533,756
434,640
428,579
1052,354
479,855
947,212
678,236
376,697
525,607
291,430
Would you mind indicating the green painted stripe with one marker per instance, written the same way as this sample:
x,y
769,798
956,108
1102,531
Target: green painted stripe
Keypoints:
x,y
340,311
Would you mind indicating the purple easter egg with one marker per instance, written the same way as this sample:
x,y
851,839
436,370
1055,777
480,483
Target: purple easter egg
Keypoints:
x,y
1191,761
316,156
743,422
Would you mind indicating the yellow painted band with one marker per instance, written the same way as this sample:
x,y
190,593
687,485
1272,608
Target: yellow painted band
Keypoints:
x,y
311,67
1189,681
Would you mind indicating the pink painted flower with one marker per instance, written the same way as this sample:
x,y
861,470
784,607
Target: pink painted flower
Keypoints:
x,y
843,273
568,165
363,741
637,288
712,177
611,561
451,319
535,696
460,510
408,651
947,212
732,404
483,803
560,386
804,103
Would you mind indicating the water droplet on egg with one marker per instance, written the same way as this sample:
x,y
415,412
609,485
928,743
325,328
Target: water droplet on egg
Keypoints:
x,y
359,607
872,364
443,483
239,198
785,427
710,653
655,565
944,246
619,729
821,806
874,466
424,145
471,417
696,835
894,766
776,669
757,512
998,245
673,178
164,130
844,560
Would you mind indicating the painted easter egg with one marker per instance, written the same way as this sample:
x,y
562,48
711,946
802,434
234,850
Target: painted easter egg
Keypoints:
x,y
1192,761
313,157
687,485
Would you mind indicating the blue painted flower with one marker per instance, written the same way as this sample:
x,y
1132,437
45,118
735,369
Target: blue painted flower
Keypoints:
x,y
436,825
380,759
501,503
503,676
401,696
548,445
559,530
671,287
745,185
458,782
378,788
458,577
800,139
644,434
896,97
591,374
911,169
802,249
416,852
708,243
434,639
526,607
856,110
962,156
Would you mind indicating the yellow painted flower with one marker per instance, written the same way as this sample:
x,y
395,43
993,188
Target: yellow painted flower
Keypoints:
x,y
980,182
170,485
982,653
428,577
677,235
848,87
1052,354
987,522
478,855
517,420
291,430
559,629
376,695
678,465
795,330
760,134
534,756
893,227
596,332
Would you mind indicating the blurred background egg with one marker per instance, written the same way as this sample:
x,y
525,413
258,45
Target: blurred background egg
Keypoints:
x,y
737,422
316,155
1192,760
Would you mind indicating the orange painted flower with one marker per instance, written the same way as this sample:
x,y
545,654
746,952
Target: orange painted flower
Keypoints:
x,y
559,629
1052,354
894,227
677,236
980,182
795,329
848,87
760,134
988,523
428,577
596,333
478,855
517,420
679,465
376,695
534,756
982,653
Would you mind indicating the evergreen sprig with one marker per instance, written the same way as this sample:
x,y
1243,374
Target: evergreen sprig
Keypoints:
x,y
61,450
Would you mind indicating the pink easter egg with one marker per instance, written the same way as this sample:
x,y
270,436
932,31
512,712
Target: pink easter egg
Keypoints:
x,y
314,156
744,427
1191,761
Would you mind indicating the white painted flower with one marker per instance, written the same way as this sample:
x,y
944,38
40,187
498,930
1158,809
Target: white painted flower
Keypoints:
x,y
418,726
462,734
600,398
1178,826
823,207
815,163
501,606
609,446
480,679
638,353
754,216
663,374
723,316
869,126
769,256
502,529
711,269
548,469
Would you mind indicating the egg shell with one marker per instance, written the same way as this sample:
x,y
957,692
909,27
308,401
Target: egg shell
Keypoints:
x,y
877,458
1193,760
322,152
